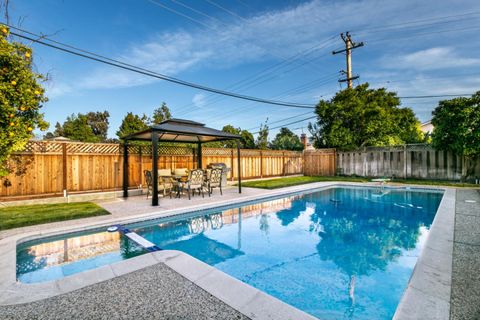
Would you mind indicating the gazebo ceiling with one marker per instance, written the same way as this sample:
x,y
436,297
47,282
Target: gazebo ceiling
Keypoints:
x,y
179,130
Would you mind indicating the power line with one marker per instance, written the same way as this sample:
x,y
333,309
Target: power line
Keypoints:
x,y
178,13
281,120
421,20
437,96
288,124
233,14
256,79
125,66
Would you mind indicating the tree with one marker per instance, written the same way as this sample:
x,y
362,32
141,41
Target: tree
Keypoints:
x,y
262,138
457,126
364,117
90,127
161,114
132,123
247,140
286,140
21,98
99,123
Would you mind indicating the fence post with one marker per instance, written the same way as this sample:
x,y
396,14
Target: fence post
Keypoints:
x,y
261,164
231,165
140,155
64,168
283,163
405,157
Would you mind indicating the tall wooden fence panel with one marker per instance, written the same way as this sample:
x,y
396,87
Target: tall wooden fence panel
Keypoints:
x,y
319,162
407,161
50,167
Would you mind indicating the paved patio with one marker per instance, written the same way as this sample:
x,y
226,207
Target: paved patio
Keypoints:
x,y
156,292
465,297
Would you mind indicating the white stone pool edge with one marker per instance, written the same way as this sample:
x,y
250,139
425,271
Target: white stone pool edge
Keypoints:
x,y
428,293
422,291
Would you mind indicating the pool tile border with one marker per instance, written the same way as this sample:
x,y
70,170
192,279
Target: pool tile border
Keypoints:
x,y
254,303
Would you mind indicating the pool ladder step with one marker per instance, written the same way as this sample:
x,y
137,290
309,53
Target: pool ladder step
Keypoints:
x,y
141,241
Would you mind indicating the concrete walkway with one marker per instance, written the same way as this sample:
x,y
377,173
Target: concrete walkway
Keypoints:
x,y
156,292
465,295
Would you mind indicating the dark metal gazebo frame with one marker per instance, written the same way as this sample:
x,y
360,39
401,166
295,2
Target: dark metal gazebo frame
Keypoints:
x,y
178,131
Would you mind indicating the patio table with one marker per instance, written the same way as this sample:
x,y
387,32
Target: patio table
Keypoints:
x,y
179,179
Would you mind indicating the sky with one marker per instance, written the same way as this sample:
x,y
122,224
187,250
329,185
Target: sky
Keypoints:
x,y
273,49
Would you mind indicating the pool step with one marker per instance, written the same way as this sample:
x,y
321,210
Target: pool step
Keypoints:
x,y
141,241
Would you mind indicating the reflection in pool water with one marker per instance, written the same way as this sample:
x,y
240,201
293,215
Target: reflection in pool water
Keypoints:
x,y
337,253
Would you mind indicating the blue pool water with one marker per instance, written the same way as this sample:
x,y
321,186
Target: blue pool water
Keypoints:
x,y
335,253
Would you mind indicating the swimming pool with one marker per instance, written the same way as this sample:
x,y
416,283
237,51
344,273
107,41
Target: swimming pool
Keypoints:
x,y
334,253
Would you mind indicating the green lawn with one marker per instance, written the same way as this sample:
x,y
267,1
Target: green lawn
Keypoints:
x,y
293,181
21,216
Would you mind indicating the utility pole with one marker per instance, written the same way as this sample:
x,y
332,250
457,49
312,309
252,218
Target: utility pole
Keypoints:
x,y
349,46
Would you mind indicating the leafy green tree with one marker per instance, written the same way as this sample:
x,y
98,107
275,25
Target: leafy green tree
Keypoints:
x,y
247,140
457,126
161,114
262,138
99,123
90,127
364,117
286,140
76,127
132,123
21,98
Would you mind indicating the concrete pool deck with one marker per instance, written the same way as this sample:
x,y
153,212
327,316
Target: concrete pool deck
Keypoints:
x,y
425,299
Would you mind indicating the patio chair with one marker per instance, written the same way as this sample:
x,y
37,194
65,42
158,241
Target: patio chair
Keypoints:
x,y
195,182
214,181
180,172
165,181
149,181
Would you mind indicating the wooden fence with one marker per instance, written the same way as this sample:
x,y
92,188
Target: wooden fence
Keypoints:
x,y
49,168
320,162
408,161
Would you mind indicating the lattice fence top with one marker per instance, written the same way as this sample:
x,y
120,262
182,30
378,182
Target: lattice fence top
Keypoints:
x,y
43,147
95,148
56,147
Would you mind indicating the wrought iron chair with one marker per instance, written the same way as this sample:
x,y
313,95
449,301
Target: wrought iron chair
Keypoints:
x,y
195,182
149,181
214,181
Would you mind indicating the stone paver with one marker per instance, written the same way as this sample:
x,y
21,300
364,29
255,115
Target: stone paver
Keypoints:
x,y
465,295
156,292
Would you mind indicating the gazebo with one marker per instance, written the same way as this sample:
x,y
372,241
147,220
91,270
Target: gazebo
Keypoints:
x,y
178,131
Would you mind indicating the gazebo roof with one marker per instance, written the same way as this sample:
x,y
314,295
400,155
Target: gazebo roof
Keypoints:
x,y
180,130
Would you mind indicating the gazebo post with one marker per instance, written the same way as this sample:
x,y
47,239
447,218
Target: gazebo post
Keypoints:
x,y
155,168
125,169
238,168
199,155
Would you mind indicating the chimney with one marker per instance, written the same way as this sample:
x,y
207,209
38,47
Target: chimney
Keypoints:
x,y
303,138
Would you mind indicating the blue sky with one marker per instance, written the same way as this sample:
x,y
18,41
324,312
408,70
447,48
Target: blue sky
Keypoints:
x,y
219,43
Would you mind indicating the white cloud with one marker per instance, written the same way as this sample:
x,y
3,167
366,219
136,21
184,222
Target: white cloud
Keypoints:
x,y
430,59
275,34
55,90
199,100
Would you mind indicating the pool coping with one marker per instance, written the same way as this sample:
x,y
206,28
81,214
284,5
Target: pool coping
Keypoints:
x,y
251,302
429,288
